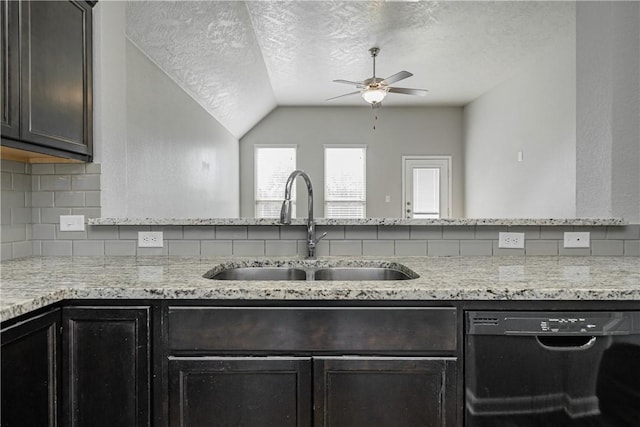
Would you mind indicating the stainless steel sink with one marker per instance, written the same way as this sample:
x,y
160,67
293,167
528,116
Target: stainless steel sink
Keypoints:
x,y
260,273
360,273
310,272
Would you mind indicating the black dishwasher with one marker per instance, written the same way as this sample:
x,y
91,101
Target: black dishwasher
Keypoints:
x,y
555,369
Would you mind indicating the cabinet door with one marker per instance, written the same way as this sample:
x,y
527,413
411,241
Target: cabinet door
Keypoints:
x,y
30,361
56,74
237,391
9,71
106,374
393,392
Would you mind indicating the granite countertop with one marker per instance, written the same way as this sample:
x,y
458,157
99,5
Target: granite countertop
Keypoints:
x,y
593,222
31,283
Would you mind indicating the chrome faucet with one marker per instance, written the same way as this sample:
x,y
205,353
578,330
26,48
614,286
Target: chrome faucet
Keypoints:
x,y
285,212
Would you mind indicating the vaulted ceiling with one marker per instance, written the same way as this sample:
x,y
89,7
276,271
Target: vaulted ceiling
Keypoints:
x,y
241,59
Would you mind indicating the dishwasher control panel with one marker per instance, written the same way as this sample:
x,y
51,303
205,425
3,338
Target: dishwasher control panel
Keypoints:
x,y
561,323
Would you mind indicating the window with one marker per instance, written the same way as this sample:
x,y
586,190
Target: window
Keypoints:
x,y
345,192
425,186
272,166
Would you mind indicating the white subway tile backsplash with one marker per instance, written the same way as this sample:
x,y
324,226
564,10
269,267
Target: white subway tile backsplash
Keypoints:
x,y
22,249
411,247
120,248
260,232
184,247
506,252
231,232
6,181
130,232
425,232
248,247
541,247
13,199
87,212
553,233
394,232
5,215
378,247
52,215
458,233
95,168
443,247
345,247
293,232
364,232
281,247
632,248
107,232
69,168
607,247
163,251
57,248
573,251
172,232
55,183
476,248
216,248
88,248
334,232
42,169
626,232
21,216
85,182
199,232
92,198
488,232
13,233
68,198
43,231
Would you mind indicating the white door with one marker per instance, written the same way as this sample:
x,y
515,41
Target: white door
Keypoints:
x,y
426,184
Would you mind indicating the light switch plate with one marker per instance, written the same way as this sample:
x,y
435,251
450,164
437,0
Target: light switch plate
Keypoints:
x,y
71,222
576,239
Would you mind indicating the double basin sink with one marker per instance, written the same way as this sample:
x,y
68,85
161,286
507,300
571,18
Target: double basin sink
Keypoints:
x,y
308,271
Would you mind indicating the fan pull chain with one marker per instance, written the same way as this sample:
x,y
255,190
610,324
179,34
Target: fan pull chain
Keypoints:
x,y
375,119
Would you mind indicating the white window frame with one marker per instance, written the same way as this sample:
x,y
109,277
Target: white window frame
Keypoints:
x,y
438,161
256,147
364,149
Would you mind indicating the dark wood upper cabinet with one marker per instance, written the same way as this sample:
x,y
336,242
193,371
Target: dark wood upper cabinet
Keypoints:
x,y
47,77
106,378
30,372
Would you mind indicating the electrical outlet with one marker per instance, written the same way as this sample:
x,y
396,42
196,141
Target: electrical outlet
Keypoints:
x,y
576,239
511,240
71,222
150,239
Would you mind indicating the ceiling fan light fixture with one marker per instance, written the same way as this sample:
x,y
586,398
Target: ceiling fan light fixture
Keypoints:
x,y
373,96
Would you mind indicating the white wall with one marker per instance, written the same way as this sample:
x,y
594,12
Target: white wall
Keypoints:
x,y
399,131
533,112
608,110
162,154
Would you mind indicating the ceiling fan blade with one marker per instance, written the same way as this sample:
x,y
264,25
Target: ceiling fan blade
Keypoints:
x,y
407,91
348,82
397,77
346,94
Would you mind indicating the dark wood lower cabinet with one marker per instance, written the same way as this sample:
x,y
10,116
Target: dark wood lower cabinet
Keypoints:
x,y
237,391
107,372
30,376
384,392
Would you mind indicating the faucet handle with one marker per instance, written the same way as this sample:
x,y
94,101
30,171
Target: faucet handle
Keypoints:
x,y
321,237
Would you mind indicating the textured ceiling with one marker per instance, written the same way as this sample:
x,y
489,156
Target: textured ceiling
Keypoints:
x,y
240,60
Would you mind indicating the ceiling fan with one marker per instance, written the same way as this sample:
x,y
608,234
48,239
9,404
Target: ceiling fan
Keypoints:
x,y
374,89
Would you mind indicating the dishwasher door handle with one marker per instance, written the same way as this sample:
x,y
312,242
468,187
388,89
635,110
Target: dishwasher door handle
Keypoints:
x,y
566,342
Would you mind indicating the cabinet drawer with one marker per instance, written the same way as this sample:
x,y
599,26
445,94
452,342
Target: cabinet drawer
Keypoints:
x,y
357,330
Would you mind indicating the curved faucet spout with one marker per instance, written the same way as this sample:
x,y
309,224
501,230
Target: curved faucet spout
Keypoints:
x,y
285,211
